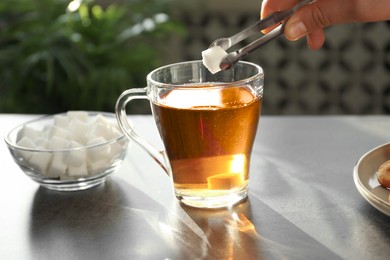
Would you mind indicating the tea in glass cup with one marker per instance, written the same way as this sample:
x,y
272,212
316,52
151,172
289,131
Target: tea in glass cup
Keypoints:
x,y
208,124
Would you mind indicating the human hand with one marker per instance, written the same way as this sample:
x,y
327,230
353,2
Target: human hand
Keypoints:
x,y
312,19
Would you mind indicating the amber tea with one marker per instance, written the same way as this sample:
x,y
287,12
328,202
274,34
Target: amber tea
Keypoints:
x,y
208,139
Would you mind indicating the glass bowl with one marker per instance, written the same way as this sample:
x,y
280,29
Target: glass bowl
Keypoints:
x,y
71,151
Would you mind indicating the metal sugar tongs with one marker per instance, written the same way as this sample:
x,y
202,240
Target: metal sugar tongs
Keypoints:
x,y
276,18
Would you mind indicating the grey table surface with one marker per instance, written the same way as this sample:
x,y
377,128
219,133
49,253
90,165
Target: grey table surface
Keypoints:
x,y
302,203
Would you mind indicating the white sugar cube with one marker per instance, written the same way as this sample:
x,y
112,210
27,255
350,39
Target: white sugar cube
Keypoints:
x,y
96,140
115,132
98,157
26,143
57,131
104,127
116,149
101,119
45,131
29,132
57,166
98,153
101,130
75,158
58,143
78,130
95,167
212,57
81,115
42,142
40,161
61,121
80,170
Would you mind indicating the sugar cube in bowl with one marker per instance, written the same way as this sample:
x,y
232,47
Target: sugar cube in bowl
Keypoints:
x,y
71,151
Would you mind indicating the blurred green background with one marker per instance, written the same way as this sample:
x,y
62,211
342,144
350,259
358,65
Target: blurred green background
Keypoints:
x,y
60,55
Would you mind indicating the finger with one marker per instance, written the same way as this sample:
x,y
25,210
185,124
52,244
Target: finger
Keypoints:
x,y
372,11
316,39
318,15
269,7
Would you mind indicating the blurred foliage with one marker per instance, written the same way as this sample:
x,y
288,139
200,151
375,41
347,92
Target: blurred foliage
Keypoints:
x,y
59,55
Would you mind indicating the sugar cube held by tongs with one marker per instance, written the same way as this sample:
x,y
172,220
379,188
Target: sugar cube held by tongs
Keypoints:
x,y
228,60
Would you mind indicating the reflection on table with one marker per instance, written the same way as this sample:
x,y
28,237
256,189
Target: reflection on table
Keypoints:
x,y
302,203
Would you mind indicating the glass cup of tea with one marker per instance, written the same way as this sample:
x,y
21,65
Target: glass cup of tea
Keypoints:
x,y
208,124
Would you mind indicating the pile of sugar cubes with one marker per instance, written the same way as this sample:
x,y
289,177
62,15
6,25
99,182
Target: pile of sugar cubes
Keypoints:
x,y
74,129
212,57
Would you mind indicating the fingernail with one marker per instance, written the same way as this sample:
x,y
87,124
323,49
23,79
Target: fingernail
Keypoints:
x,y
296,30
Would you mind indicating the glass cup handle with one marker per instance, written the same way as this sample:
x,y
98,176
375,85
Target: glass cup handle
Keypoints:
x,y
120,112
